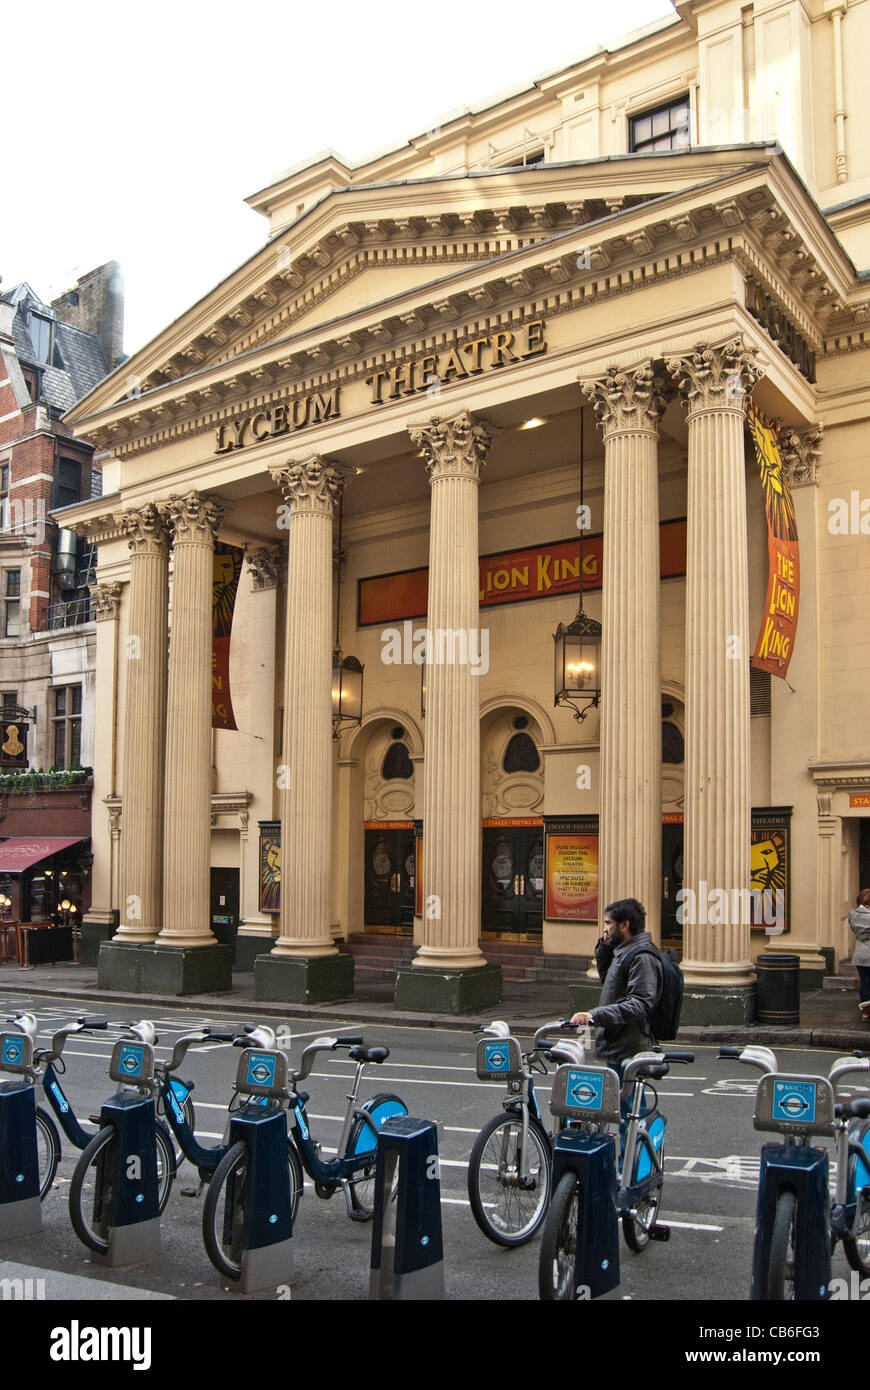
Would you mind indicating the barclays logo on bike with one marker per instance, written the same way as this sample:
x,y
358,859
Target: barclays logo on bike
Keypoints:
x,y
794,1100
584,1089
497,1057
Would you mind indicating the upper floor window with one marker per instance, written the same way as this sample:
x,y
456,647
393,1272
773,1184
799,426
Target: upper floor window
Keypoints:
x,y
4,496
67,722
68,483
397,763
665,128
40,337
12,603
521,755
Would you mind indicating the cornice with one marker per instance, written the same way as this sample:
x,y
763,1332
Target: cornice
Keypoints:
x,y
735,218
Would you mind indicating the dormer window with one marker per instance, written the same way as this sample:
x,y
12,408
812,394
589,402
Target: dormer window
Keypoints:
x,y
665,128
40,337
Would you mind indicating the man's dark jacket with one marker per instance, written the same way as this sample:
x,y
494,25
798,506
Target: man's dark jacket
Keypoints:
x,y
621,1017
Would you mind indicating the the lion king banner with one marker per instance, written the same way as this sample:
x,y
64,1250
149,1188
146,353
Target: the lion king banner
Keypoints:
x,y
225,581
775,643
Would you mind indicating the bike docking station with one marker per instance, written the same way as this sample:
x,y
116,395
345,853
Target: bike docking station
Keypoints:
x,y
797,1106
126,1198
262,1210
407,1261
589,1096
20,1210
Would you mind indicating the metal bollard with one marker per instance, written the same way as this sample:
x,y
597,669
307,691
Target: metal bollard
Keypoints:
x,y
128,1176
267,1257
407,1259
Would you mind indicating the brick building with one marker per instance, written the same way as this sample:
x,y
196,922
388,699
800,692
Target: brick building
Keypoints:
x,y
52,355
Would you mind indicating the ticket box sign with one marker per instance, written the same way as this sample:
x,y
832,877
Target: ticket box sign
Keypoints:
x,y
16,1052
585,1093
132,1063
499,1059
795,1105
262,1073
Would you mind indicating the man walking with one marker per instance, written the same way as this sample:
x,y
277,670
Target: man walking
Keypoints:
x,y
632,984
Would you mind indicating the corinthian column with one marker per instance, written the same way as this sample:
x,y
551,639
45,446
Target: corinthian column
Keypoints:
x,y
141,877
628,405
311,489
714,382
193,520
454,450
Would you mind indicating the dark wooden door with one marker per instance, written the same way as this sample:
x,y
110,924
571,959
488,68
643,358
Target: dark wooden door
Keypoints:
x,y
390,875
672,882
513,881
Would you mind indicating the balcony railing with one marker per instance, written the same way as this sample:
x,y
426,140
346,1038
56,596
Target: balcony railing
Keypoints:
x,y
69,614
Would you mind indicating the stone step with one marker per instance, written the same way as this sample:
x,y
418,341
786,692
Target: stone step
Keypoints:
x,y
840,984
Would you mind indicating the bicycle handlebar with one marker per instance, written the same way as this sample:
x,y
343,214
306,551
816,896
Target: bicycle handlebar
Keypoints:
x,y
725,1052
679,1056
182,1045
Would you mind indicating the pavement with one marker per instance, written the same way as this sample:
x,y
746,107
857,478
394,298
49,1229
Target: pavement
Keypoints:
x,y
828,1017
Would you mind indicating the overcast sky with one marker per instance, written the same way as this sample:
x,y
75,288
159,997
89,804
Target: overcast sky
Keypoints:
x,y
136,131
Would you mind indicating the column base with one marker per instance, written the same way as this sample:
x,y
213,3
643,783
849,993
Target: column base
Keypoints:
x,y
301,980
448,991
734,1004
248,948
584,994
97,927
164,969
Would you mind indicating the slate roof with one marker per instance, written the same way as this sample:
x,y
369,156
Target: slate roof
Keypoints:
x,y
79,362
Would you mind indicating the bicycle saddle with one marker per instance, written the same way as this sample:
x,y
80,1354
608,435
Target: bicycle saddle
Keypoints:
x,y
369,1054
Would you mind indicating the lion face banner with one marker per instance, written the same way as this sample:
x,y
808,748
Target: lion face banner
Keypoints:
x,y
227,567
775,643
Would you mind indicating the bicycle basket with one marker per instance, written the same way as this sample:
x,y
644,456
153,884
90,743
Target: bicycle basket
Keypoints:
x,y
499,1059
262,1073
585,1093
794,1104
132,1063
16,1052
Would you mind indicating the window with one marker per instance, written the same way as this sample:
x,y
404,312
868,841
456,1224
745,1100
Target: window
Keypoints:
x,y
397,763
521,755
12,604
666,128
68,726
9,699
68,483
673,745
40,337
4,496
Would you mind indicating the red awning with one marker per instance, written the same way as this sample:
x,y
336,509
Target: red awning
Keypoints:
x,y
16,855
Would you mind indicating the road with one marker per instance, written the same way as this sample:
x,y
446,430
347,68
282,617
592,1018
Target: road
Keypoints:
x,y
709,1195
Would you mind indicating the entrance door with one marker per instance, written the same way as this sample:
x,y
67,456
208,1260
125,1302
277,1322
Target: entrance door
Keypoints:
x,y
513,881
390,873
672,882
225,906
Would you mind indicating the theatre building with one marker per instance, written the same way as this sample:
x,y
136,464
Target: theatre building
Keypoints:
x,y
614,322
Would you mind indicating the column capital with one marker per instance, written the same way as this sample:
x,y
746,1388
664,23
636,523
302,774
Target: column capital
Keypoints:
x,y
627,400
145,530
265,563
800,452
454,446
716,378
107,600
192,519
311,485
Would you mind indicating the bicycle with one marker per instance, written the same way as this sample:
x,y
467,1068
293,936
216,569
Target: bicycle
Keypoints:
x,y
797,1223
593,1190
352,1170
510,1161
174,1096
88,1195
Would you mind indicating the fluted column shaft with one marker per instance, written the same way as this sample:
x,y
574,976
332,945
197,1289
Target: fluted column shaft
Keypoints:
x,y
141,875
193,520
714,382
305,779
628,406
454,450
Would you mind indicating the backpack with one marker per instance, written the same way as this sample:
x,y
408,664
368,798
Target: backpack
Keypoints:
x,y
665,1017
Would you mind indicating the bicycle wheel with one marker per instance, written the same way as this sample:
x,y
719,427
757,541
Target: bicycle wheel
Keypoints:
x,y
507,1208
225,1206
781,1260
223,1212
166,1164
559,1241
856,1245
47,1150
636,1226
361,1140
89,1191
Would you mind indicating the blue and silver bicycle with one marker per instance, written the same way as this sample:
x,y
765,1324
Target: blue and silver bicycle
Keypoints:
x,y
797,1224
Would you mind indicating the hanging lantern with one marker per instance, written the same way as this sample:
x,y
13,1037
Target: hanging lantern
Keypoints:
x,y
578,645
347,690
